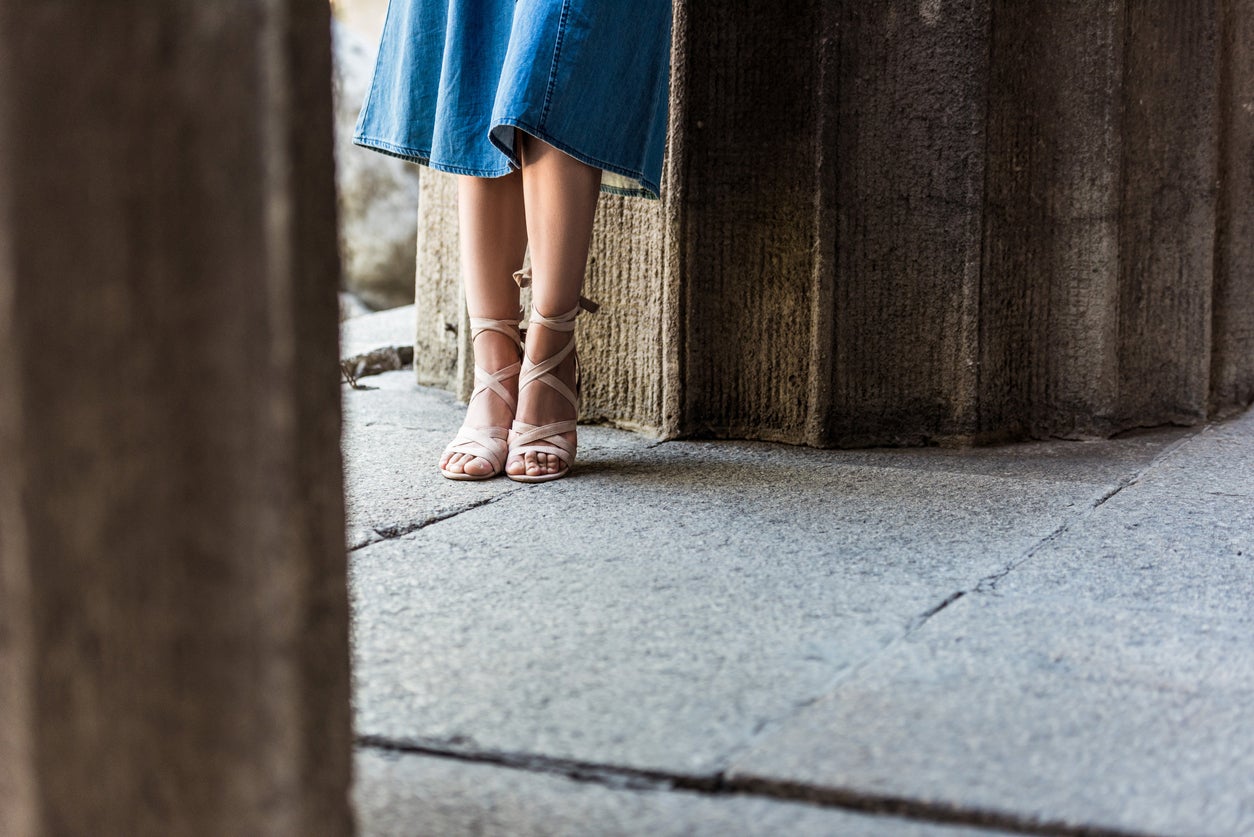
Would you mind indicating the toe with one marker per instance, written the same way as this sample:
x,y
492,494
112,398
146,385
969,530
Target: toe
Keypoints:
x,y
477,467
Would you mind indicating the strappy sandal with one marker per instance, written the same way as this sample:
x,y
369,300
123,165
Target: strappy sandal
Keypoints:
x,y
529,438
490,443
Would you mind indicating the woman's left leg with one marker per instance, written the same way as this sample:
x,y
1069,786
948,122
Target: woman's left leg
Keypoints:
x,y
560,197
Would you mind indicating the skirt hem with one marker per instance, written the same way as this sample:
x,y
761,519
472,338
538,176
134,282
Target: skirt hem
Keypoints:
x,y
647,188
422,157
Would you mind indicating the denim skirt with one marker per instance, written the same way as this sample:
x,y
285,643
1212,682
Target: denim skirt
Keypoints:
x,y
455,79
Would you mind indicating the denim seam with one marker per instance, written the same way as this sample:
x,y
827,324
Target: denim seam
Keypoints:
x,y
423,157
557,56
650,189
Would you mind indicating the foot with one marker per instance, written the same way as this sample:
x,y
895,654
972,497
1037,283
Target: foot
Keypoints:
x,y
494,351
540,405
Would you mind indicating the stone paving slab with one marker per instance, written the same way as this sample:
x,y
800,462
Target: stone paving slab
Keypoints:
x,y
764,615
1107,682
1182,536
1124,720
390,455
394,433
675,602
417,796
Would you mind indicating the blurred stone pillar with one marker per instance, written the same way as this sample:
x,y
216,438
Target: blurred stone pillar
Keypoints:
x,y
916,221
173,607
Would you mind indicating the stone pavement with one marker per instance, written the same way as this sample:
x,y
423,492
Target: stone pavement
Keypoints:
x,y
719,638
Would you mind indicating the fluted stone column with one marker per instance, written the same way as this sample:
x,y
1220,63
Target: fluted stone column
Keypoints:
x,y
921,221
1232,301
173,608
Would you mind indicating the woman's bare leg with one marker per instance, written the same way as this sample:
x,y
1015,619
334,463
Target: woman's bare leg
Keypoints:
x,y
560,194
493,235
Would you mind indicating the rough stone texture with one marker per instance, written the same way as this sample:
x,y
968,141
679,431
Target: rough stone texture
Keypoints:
x,y
378,194
632,379
901,222
393,438
745,183
910,101
1183,535
439,306
1169,126
416,796
173,612
1232,308
1128,718
1108,682
1049,301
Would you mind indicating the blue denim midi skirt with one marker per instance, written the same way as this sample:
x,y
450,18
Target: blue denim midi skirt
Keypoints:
x,y
455,78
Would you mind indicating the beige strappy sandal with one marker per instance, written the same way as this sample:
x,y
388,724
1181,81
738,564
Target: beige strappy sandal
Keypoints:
x,y
529,438
490,443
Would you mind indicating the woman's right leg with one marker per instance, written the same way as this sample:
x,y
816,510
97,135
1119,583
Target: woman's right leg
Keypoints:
x,y
492,227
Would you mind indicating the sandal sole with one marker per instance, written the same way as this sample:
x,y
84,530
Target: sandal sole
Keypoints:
x,y
540,478
451,475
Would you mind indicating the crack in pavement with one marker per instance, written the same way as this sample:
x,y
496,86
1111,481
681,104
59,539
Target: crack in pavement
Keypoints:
x,y
619,778
919,621
988,584
392,424
400,530
985,585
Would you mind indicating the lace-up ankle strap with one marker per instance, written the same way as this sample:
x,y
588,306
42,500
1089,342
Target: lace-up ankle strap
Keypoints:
x,y
478,325
562,322
523,278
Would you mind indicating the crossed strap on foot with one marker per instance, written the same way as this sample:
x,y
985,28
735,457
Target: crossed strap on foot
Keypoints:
x,y
490,443
547,438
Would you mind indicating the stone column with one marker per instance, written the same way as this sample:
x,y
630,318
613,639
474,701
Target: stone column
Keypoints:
x,y
1232,305
173,607
916,221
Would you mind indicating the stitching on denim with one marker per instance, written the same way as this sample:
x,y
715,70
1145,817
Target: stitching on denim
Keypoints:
x,y
410,154
557,55
422,157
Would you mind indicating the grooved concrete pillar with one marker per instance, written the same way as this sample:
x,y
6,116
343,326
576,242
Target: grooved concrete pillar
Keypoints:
x,y
916,221
173,607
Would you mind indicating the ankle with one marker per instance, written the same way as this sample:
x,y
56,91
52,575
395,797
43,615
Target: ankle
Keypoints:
x,y
545,342
493,351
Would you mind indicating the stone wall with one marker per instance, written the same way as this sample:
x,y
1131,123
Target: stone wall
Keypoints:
x,y
918,221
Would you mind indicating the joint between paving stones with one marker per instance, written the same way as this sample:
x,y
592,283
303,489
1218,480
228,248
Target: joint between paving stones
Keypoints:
x,y
616,777
988,584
